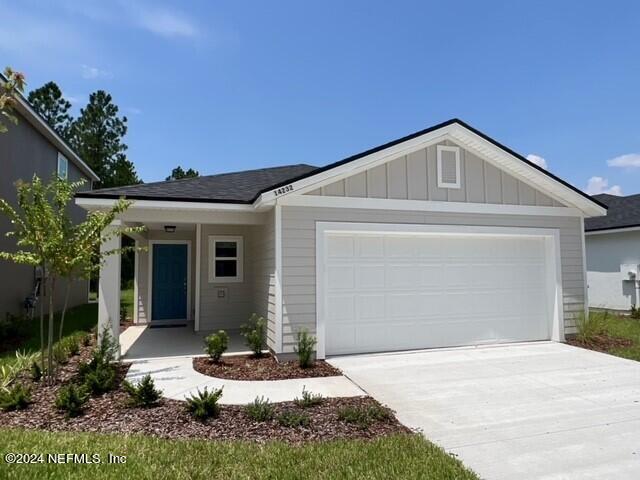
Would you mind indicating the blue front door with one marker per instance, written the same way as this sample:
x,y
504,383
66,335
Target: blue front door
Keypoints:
x,y
169,294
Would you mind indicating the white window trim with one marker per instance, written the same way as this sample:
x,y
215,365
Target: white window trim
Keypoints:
x,y
239,278
456,151
62,158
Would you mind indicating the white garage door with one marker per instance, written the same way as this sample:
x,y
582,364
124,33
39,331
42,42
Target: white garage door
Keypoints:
x,y
384,291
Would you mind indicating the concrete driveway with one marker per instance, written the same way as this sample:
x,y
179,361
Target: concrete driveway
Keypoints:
x,y
537,410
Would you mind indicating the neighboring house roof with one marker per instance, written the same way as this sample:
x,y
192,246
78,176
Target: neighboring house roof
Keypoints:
x,y
252,187
236,187
34,118
623,212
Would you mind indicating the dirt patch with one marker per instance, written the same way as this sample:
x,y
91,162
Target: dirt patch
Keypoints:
x,y
246,367
602,343
109,414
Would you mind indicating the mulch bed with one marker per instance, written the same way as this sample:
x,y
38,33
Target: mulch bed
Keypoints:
x,y
109,414
246,367
602,343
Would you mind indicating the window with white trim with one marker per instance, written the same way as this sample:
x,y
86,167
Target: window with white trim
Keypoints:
x,y
63,166
448,166
225,259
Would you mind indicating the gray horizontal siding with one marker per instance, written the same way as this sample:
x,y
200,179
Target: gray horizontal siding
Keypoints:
x,y
299,272
414,177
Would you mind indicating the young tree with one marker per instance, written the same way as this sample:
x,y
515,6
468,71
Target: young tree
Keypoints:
x,y
178,173
47,237
14,84
97,137
54,108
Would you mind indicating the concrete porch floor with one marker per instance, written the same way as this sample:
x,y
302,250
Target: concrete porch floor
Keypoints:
x,y
140,342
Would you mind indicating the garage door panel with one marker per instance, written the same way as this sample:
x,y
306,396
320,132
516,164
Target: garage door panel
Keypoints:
x,y
395,291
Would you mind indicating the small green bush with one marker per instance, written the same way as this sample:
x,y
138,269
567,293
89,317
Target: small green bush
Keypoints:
x,y
291,418
216,344
142,394
364,417
85,338
304,348
260,410
591,325
16,397
100,380
635,312
60,354
254,334
36,371
71,398
204,404
308,399
72,345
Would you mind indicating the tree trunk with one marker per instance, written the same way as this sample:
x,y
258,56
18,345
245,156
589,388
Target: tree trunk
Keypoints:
x,y
52,283
64,308
41,290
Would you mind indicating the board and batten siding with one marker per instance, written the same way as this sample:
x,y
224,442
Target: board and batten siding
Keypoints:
x,y
299,255
414,177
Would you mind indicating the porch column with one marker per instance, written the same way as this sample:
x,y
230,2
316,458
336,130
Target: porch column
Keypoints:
x,y
109,290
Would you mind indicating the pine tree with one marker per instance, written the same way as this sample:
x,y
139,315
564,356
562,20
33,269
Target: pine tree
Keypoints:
x,y
178,173
97,137
54,108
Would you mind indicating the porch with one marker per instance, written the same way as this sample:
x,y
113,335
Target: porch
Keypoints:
x,y
144,342
191,278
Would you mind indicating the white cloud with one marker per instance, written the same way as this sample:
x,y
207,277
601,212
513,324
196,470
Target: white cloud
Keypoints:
x,y
90,73
598,185
537,160
164,22
630,160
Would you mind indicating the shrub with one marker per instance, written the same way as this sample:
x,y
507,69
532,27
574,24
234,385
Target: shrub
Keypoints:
x,y
17,397
591,325
305,348
216,344
71,398
308,399
85,338
254,334
293,419
260,410
363,416
72,345
635,312
36,371
204,404
60,354
143,394
100,380
7,374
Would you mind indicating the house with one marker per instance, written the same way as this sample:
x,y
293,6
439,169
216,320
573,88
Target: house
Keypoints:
x,y
28,148
613,253
441,238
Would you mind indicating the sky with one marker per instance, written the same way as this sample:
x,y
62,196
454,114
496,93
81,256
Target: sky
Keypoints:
x,y
232,85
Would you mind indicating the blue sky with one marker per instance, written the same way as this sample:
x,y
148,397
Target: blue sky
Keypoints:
x,y
231,85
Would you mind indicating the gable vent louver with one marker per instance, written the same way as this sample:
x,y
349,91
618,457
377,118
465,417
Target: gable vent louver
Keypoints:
x,y
448,167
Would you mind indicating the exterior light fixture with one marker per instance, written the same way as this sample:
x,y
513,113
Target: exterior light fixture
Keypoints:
x,y
170,228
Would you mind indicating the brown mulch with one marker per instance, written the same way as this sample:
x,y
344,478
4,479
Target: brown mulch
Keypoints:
x,y
109,414
602,343
246,367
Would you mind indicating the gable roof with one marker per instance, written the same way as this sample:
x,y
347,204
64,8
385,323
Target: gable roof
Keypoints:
x,y
234,187
23,107
260,188
624,212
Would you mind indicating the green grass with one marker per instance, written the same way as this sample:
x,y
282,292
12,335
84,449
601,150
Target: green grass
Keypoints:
x,y
83,317
402,456
615,326
126,300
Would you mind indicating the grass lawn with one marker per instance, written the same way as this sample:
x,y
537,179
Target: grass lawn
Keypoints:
x,y
402,456
624,327
602,331
83,317
126,301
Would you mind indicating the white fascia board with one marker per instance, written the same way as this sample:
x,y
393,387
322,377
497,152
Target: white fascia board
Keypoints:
x,y
426,206
460,135
98,203
610,231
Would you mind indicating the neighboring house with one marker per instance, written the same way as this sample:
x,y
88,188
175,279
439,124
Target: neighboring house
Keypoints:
x,y
28,148
613,254
441,238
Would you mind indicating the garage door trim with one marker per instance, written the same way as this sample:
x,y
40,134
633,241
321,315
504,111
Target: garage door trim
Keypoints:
x,y
552,249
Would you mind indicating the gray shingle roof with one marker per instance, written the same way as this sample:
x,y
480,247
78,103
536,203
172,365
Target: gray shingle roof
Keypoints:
x,y
235,187
623,212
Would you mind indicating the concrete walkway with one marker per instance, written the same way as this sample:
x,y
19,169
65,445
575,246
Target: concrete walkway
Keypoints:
x,y
177,379
529,411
